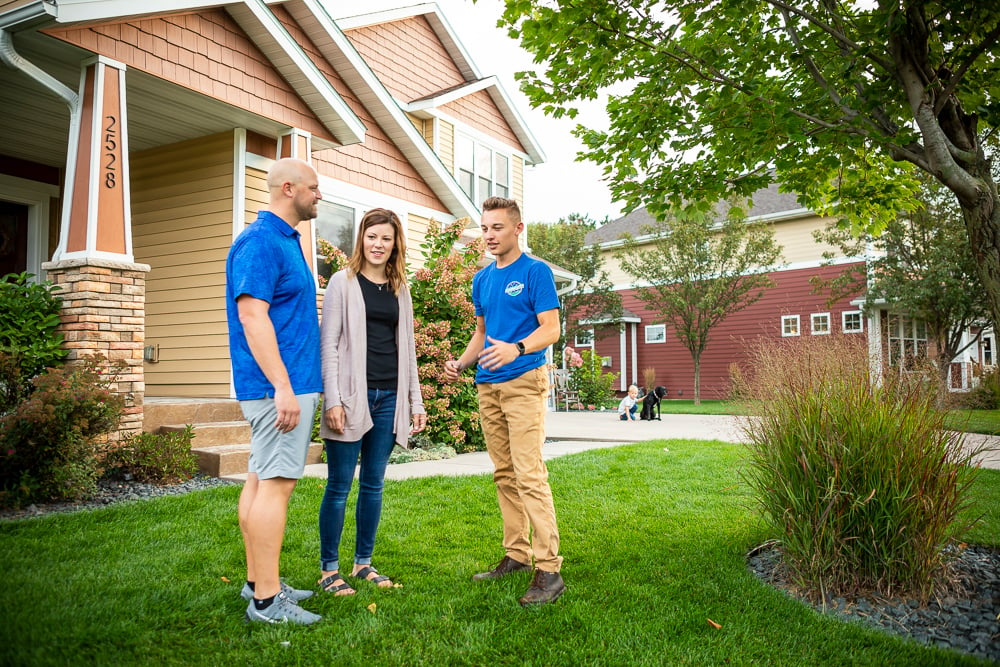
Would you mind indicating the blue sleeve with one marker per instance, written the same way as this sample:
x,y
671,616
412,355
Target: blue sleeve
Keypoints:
x,y
543,288
255,269
477,296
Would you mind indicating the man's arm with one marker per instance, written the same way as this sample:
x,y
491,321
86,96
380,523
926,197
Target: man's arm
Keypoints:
x,y
452,369
501,353
259,330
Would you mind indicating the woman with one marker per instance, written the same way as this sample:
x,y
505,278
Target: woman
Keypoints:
x,y
370,389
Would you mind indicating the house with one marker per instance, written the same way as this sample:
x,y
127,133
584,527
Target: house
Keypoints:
x,y
790,308
136,138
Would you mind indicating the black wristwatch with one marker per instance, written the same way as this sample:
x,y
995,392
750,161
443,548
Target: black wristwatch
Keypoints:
x,y
520,348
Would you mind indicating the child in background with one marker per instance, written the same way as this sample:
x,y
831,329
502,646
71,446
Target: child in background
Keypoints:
x,y
628,406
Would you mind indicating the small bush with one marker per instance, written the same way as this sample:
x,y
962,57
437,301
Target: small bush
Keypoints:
x,y
29,343
49,443
157,458
985,395
857,477
590,380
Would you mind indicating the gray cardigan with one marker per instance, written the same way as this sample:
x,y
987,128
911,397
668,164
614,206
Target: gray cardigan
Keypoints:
x,y
344,345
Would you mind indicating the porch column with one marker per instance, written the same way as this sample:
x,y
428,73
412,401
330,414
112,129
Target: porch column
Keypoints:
x,y
298,144
103,288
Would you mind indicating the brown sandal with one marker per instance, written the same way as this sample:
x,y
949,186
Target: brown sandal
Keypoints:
x,y
366,573
331,585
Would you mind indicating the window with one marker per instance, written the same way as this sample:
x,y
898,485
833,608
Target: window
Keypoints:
x,y
334,224
481,171
907,341
852,322
656,333
789,325
819,323
584,338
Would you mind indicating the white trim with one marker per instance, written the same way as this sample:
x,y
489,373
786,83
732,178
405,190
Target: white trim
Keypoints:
x,y
798,326
69,11
843,321
239,181
812,324
451,95
645,336
461,127
35,196
635,352
622,335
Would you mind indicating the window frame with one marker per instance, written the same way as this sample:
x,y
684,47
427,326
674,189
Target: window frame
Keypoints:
x,y
662,339
788,319
843,322
493,181
586,343
813,318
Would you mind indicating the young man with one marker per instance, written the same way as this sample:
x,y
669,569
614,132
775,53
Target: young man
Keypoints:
x,y
274,345
517,318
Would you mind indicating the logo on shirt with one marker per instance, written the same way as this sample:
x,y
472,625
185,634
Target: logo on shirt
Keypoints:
x,y
513,288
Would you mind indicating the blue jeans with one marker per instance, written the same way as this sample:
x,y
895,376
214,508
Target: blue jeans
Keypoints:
x,y
341,458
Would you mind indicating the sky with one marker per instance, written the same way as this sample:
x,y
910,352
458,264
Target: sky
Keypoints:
x,y
561,185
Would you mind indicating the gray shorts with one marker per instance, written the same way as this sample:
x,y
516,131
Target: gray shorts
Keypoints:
x,y
273,453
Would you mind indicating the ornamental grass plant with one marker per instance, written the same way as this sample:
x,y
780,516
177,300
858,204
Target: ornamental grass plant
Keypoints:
x,y
855,475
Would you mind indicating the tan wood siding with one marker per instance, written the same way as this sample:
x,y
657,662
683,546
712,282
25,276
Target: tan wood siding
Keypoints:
x,y
182,198
416,230
517,182
446,144
11,4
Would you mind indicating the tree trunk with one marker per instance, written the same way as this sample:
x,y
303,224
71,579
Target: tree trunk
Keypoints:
x,y
697,377
982,222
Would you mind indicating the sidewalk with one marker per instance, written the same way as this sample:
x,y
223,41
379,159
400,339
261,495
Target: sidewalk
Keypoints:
x,y
573,432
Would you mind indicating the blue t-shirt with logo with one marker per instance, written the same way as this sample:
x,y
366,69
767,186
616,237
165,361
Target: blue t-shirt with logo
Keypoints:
x,y
509,300
266,262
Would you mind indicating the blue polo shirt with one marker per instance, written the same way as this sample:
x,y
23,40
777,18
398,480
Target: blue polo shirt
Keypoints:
x,y
509,300
266,262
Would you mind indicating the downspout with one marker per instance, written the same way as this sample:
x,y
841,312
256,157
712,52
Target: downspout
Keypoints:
x,y
14,60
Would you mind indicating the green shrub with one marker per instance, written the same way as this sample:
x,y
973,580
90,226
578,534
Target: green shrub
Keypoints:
x,y
985,395
857,477
29,315
158,458
49,443
590,380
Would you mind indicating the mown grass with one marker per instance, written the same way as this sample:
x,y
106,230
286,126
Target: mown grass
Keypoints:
x,y
654,537
974,421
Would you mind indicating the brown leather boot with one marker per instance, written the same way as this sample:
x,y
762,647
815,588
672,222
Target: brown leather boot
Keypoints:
x,y
545,587
506,566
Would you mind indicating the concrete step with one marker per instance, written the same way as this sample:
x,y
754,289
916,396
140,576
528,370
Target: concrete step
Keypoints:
x,y
228,460
158,411
214,433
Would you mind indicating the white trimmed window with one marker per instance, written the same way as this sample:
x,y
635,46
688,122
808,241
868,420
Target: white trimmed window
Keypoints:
x,y
852,321
819,323
656,333
335,223
907,341
481,171
789,325
584,338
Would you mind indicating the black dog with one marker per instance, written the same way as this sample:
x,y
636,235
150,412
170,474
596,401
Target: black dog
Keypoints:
x,y
652,399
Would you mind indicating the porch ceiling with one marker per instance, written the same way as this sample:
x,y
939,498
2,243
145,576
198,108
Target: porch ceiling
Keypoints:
x,y
35,122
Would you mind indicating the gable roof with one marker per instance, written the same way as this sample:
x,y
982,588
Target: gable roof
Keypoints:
x,y
474,81
768,204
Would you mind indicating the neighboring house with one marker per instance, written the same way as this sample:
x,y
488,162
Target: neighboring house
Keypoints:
x,y
790,308
134,148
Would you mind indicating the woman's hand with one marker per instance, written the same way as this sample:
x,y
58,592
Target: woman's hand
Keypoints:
x,y
335,418
419,422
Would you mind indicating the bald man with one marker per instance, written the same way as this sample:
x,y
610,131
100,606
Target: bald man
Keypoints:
x,y
274,347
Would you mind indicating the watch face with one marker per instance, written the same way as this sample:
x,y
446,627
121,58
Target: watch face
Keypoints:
x,y
520,347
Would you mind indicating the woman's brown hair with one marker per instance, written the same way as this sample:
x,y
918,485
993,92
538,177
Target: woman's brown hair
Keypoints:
x,y
395,267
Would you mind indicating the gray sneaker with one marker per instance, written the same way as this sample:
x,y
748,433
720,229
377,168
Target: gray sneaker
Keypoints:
x,y
294,594
282,610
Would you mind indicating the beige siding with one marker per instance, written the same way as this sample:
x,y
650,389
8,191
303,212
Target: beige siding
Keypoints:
x,y
798,246
182,227
416,230
446,144
7,5
517,181
417,122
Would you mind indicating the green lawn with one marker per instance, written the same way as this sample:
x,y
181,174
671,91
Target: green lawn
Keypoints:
x,y
653,534
974,421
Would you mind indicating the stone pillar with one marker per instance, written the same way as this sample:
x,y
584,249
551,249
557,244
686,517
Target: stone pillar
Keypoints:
x,y
104,312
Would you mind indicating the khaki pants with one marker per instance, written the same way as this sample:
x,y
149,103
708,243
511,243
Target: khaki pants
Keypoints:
x,y
513,417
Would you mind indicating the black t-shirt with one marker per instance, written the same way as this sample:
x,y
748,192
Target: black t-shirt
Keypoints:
x,y
382,308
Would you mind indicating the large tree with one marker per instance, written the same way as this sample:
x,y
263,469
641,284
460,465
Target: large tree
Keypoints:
x,y
837,100
695,272
593,298
922,267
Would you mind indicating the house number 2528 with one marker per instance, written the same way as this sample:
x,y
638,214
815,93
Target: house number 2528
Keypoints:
x,y
110,154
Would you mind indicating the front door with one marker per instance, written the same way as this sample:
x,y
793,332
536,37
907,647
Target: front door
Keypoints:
x,y
13,238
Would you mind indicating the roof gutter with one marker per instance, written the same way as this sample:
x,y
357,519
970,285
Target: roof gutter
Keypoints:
x,y
29,13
